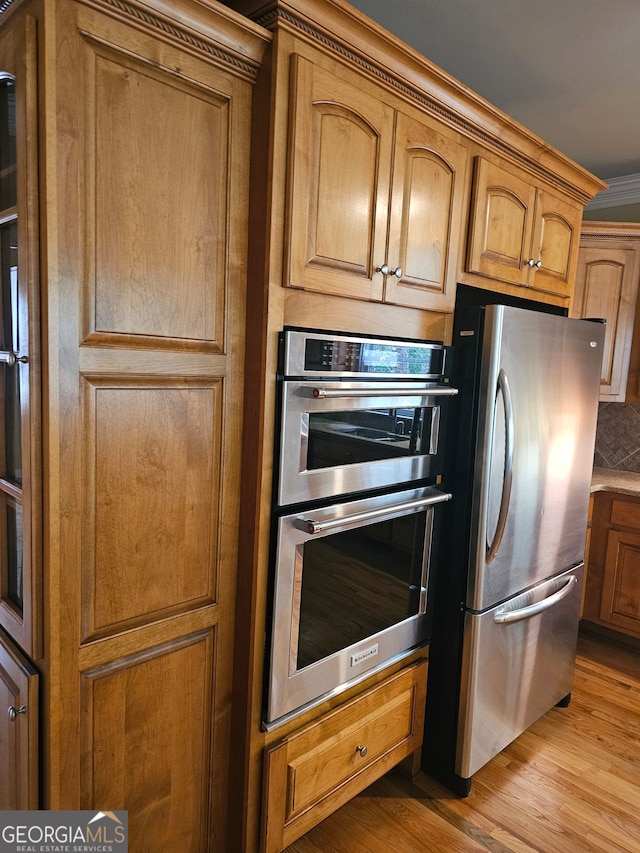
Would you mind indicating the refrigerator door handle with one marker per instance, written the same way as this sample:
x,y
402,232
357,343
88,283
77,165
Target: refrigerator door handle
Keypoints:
x,y
503,386
506,616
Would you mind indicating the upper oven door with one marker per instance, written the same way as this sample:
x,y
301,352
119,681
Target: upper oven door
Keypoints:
x,y
338,438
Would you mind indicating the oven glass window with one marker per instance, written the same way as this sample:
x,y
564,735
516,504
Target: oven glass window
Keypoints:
x,y
366,435
358,582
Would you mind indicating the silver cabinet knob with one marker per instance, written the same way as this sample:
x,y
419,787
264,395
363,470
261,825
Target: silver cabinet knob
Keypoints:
x,y
362,750
397,272
13,712
10,358
530,263
539,264
384,269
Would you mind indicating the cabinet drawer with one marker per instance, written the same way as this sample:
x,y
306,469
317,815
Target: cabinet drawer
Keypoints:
x,y
319,768
625,514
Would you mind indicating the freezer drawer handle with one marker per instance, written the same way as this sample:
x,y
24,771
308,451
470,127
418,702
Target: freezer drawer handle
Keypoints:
x,y
503,385
390,391
504,616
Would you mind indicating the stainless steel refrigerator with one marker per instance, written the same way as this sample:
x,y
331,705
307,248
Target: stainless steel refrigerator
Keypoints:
x,y
509,586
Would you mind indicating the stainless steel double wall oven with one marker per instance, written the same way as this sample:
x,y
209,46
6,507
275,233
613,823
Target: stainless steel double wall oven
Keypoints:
x,y
359,455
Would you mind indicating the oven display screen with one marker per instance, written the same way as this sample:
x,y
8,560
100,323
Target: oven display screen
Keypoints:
x,y
377,358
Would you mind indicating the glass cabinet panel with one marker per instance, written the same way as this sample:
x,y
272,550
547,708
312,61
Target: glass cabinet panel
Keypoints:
x,y
12,363
14,542
11,464
8,166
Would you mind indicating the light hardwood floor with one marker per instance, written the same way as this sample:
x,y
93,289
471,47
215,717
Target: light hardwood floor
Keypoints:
x,y
570,784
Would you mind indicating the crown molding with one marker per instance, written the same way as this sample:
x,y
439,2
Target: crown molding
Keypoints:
x,y
621,191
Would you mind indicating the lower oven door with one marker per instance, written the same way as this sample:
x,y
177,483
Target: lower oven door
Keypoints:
x,y
351,594
340,437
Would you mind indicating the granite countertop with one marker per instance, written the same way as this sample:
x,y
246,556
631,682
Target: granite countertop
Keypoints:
x,y
611,480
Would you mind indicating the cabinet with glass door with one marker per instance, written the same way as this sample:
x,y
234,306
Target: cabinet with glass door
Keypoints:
x,y
19,471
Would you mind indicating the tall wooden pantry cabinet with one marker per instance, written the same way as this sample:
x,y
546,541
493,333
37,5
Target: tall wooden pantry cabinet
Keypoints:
x,y
124,172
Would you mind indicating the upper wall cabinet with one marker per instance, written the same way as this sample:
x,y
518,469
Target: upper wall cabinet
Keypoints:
x,y
607,286
375,194
520,233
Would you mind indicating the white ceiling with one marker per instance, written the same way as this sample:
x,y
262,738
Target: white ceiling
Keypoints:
x,y
569,70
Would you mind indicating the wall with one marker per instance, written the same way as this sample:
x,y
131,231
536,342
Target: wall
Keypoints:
x,y
625,213
618,437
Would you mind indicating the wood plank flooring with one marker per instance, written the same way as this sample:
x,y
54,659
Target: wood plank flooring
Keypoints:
x,y
570,784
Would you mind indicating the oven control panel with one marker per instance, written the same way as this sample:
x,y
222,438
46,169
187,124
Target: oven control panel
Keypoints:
x,y
314,353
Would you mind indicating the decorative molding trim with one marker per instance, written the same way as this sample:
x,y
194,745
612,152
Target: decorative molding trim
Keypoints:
x,y
621,191
595,235
615,231
168,28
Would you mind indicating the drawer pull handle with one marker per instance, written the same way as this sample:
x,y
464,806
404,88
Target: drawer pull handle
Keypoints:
x,y
362,750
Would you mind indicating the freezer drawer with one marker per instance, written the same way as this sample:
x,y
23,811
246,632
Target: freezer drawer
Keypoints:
x,y
518,662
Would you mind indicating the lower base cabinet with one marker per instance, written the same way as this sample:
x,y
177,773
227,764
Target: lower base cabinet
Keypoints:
x,y
612,595
19,685
311,773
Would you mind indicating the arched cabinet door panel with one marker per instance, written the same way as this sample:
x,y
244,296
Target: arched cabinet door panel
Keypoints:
x,y
555,244
501,217
339,184
426,214
520,233
606,286
375,194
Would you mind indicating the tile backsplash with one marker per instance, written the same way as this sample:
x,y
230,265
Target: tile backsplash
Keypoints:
x,y
618,437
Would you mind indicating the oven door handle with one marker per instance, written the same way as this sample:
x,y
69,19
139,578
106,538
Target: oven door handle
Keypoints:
x,y
391,391
312,526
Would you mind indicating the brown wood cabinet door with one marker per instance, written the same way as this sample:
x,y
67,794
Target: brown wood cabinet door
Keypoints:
x,y
554,248
338,184
426,215
501,224
18,729
621,588
145,395
606,285
19,372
